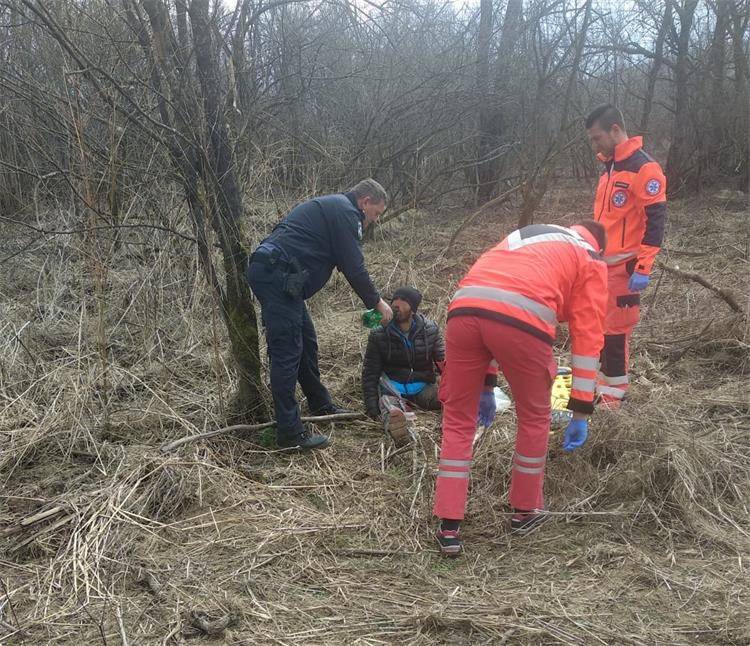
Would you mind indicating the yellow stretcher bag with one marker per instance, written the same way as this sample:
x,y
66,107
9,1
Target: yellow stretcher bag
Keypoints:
x,y
560,396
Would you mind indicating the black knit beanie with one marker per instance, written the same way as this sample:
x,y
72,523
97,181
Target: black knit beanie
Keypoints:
x,y
410,295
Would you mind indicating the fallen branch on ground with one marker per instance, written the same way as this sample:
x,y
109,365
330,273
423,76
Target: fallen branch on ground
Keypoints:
x,y
724,294
171,446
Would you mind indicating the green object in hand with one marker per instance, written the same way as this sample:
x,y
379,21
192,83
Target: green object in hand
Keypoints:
x,y
371,318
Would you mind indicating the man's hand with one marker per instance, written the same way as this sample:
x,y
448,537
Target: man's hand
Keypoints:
x,y
487,408
638,282
385,311
576,433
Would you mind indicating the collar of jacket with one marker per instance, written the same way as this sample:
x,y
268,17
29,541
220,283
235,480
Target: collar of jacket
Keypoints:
x,y
353,200
586,235
624,150
417,324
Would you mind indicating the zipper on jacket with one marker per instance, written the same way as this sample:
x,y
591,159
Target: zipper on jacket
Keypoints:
x,y
606,197
622,242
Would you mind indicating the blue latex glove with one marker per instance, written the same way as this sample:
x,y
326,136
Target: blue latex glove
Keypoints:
x,y
575,434
487,408
638,282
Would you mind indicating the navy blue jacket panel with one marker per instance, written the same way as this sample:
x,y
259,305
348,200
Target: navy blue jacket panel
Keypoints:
x,y
326,233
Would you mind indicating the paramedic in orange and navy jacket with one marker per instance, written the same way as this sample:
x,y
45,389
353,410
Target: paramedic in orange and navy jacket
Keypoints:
x,y
631,203
507,308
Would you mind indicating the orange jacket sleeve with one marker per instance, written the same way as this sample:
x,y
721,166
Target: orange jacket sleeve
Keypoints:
x,y
651,191
586,322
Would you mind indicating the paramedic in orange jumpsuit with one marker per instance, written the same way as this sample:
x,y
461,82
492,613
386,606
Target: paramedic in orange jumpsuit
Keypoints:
x,y
631,203
507,308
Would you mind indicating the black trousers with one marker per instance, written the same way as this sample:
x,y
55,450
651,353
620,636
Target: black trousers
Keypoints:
x,y
292,348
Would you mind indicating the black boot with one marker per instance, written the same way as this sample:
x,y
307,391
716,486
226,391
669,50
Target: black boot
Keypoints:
x,y
328,409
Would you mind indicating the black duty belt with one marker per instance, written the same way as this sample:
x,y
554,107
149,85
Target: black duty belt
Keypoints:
x,y
271,260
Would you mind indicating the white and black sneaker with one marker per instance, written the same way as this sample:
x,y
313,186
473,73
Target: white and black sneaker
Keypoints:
x,y
522,522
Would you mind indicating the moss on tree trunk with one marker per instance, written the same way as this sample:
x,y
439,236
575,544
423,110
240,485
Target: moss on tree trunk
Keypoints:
x,y
242,326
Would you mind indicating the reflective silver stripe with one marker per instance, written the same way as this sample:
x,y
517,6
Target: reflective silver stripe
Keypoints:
x,y
531,470
579,383
515,241
453,474
584,363
504,296
617,393
618,258
455,463
524,458
616,381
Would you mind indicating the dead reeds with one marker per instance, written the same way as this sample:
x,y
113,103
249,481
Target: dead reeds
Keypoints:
x,y
105,539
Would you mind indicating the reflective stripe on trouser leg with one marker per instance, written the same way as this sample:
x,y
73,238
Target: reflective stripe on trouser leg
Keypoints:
x,y
529,367
465,367
613,381
621,318
527,478
532,397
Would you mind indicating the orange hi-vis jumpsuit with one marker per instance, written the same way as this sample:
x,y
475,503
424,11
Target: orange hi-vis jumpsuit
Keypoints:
x,y
631,204
507,308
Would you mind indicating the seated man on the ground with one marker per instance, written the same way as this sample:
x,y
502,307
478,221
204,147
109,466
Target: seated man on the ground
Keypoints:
x,y
399,368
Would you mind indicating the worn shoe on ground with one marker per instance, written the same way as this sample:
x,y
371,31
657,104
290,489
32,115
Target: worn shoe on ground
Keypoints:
x,y
522,522
397,426
331,409
304,441
450,542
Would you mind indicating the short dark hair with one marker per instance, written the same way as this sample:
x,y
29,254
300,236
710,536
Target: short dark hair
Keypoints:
x,y
369,188
597,230
605,116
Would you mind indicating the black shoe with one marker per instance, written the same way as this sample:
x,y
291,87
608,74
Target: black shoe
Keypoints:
x,y
329,409
450,542
304,441
522,522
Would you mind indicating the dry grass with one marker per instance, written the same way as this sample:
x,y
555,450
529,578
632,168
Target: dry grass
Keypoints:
x,y
105,540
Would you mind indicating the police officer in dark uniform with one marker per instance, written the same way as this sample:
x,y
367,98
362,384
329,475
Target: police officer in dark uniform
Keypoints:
x,y
291,265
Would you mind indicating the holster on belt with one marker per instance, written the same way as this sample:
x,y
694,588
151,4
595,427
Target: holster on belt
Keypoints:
x,y
294,276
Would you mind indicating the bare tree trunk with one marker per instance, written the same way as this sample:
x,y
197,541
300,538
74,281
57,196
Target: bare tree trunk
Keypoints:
x,y
486,137
712,157
739,25
220,202
237,306
534,190
491,124
679,149
653,73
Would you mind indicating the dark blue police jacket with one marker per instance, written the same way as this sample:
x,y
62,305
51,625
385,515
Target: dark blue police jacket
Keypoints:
x,y
324,233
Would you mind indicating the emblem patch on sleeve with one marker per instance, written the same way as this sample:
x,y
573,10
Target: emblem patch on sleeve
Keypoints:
x,y
619,198
653,186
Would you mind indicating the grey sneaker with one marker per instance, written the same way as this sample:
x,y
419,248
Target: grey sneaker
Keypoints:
x,y
304,441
